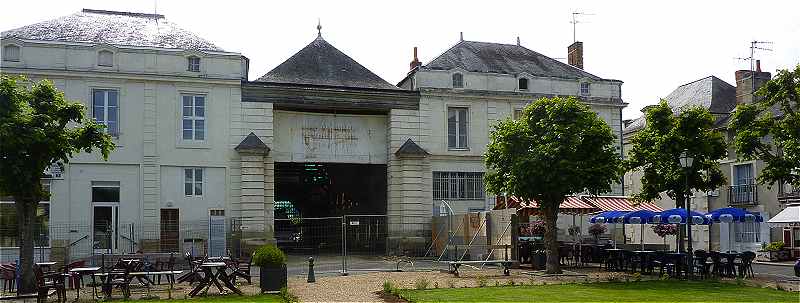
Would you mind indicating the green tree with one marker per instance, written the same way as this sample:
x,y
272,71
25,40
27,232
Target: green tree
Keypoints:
x,y
769,129
657,146
38,128
556,148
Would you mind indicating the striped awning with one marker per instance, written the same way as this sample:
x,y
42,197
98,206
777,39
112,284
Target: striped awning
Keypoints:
x,y
570,205
609,203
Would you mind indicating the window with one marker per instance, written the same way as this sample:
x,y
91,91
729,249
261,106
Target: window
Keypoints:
x,y
747,232
194,64
105,191
584,88
517,113
458,80
11,53
523,83
796,235
743,174
105,109
105,58
457,127
193,181
457,186
9,227
194,117
216,212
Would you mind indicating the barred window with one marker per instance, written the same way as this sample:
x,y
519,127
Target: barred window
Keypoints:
x,y
457,186
748,232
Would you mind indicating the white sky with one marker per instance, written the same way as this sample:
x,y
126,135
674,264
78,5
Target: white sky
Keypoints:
x,y
653,46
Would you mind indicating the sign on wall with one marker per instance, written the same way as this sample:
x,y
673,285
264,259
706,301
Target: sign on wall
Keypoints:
x,y
318,137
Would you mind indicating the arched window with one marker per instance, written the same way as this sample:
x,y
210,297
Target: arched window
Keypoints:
x,y
458,80
11,53
105,58
523,83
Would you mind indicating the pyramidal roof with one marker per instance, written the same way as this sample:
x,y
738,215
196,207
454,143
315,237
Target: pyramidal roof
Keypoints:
x,y
319,63
115,28
487,57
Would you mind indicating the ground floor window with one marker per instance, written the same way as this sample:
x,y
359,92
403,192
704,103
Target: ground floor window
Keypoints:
x,y
747,232
458,185
9,226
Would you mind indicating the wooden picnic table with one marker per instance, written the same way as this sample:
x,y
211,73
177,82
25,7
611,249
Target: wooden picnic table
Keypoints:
x,y
210,277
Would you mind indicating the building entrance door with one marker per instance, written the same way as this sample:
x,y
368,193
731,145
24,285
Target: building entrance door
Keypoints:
x,y
170,233
104,228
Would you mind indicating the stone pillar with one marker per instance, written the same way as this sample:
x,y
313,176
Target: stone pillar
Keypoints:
x,y
256,189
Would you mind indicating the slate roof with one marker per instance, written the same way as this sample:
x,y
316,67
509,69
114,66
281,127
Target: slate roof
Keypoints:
x,y
485,57
410,148
710,92
115,28
252,142
319,63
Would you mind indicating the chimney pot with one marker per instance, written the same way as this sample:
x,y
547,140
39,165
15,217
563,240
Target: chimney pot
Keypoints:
x,y
575,54
415,62
758,66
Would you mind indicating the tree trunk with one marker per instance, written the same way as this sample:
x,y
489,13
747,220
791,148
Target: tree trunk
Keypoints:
x,y
550,215
26,224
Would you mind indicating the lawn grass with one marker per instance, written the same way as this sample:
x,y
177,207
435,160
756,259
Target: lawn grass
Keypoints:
x,y
226,298
644,291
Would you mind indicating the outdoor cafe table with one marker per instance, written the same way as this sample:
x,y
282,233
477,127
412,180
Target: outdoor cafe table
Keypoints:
x,y
80,271
210,277
617,255
728,262
644,259
45,265
679,258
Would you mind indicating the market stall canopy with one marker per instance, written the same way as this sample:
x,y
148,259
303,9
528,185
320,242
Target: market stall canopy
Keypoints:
x,y
571,205
608,203
787,217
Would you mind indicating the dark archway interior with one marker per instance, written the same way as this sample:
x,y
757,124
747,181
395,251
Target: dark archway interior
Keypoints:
x,y
313,190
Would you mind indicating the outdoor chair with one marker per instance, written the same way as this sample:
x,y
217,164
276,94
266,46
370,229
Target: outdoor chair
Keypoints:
x,y
564,255
701,264
47,281
729,265
716,263
657,260
118,277
8,274
169,265
745,267
242,269
630,261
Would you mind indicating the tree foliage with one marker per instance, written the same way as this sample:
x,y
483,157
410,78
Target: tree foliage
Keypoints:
x,y
769,129
658,145
38,127
556,148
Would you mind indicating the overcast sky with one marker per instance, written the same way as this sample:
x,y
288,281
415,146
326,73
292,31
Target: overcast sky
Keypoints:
x,y
653,46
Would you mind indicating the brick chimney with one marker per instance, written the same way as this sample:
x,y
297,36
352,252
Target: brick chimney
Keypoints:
x,y
746,85
415,63
575,54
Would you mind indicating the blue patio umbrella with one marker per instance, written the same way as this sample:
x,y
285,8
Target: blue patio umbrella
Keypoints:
x,y
640,217
679,216
612,216
731,215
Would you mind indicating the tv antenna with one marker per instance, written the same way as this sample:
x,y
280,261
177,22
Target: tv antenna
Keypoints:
x,y
755,45
575,22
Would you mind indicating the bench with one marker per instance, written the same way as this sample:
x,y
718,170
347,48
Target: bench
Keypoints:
x,y
506,264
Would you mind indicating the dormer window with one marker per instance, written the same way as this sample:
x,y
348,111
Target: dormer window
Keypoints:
x,y
523,83
105,58
11,53
194,64
584,88
458,80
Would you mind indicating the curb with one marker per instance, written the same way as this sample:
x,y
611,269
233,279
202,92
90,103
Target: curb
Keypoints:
x,y
773,263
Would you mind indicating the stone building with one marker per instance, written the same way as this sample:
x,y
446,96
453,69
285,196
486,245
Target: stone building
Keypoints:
x,y
721,98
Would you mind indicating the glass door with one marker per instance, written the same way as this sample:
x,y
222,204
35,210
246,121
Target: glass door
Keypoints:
x,y
104,228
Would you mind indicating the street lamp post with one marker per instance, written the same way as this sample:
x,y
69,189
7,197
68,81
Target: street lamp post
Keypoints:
x,y
686,163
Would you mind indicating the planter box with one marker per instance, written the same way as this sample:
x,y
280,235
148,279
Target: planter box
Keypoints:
x,y
272,278
773,256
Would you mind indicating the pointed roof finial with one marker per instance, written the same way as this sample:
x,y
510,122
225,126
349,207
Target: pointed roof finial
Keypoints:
x,y
461,36
319,28
518,44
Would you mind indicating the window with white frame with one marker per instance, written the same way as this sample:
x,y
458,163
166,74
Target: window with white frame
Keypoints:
x,y
105,109
193,182
584,88
9,225
105,58
458,186
457,125
747,232
458,80
11,53
193,64
194,117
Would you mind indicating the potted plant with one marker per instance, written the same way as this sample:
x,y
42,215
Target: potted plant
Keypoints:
x,y
272,267
596,230
664,230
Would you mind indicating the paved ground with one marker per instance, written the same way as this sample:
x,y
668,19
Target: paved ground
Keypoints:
x,y
778,271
